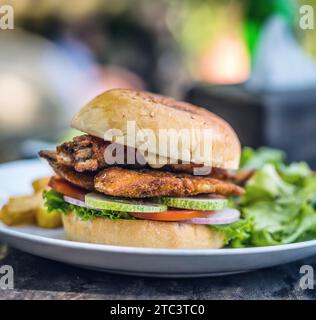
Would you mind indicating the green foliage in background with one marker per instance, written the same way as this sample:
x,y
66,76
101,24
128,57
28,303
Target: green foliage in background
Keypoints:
x,y
256,13
194,24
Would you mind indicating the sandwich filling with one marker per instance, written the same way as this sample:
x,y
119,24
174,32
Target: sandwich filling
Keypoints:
x,y
82,163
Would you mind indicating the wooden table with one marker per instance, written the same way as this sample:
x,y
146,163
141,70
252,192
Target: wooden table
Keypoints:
x,y
37,278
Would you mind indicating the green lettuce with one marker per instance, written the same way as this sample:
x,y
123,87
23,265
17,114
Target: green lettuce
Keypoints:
x,y
266,184
237,234
54,201
280,200
255,159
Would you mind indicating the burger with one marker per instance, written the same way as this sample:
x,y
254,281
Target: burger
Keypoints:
x,y
131,178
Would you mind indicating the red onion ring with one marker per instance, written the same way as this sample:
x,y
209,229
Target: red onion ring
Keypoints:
x,y
75,202
225,216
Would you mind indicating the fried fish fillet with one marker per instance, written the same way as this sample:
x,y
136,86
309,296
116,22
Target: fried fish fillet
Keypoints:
x,y
83,153
88,153
145,183
81,179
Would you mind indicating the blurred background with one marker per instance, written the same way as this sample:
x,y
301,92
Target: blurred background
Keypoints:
x,y
247,60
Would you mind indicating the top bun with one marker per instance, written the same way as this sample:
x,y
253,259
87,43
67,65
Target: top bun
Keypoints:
x,y
112,109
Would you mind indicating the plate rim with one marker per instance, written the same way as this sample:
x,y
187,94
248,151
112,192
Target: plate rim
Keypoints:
x,y
7,231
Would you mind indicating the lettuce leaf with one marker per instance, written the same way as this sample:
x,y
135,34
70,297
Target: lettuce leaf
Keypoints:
x,y
255,159
280,199
237,234
266,184
55,201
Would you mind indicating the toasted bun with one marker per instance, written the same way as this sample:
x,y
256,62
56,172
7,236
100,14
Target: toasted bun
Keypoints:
x,y
112,109
142,233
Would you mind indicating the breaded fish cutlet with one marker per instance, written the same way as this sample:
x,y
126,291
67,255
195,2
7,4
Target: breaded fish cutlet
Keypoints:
x,y
142,183
87,153
145,183
81,179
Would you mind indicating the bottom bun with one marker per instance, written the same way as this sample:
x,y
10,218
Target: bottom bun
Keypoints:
x,y
142,233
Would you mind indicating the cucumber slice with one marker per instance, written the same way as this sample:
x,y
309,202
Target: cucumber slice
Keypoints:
x,y
99,201
198,203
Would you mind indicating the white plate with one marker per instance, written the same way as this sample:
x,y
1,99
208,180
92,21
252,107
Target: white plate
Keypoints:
x,y
16,177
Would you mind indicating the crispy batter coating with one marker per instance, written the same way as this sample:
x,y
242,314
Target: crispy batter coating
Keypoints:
x,y
145,183
87,153
84,153
83,180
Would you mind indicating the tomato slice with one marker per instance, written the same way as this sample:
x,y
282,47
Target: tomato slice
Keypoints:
x,y
172,215
66,188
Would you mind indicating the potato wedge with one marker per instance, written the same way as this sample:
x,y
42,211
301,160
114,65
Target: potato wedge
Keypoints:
x,y
25,203
21,209
40,184
30,209
12,218
47,219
